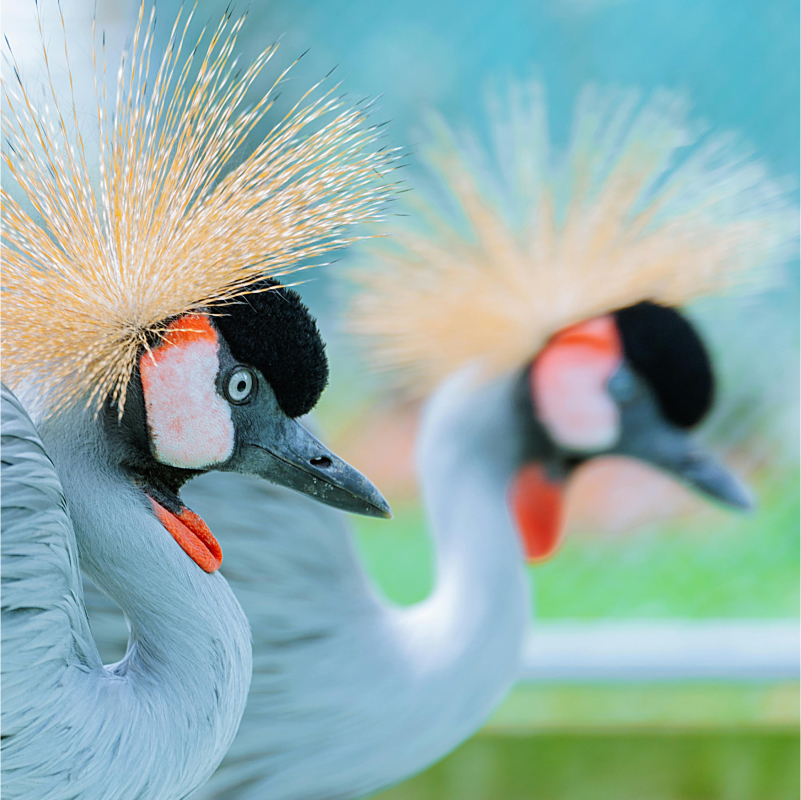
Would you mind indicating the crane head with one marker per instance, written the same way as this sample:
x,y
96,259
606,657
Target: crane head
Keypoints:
x,y
223,390
630,383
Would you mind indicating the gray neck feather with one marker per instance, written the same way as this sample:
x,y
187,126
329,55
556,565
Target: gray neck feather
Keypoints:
x,y
179,693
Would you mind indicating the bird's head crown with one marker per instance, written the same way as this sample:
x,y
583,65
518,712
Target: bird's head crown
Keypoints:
x,y
509,245
179,220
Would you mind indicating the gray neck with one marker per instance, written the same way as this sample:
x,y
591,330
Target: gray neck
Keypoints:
x,y
181,689
351,694
465,640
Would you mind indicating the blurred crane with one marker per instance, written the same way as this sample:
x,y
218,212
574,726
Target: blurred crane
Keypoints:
x,y
548,345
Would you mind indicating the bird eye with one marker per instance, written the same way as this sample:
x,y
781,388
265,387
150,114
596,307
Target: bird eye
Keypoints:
x,y
622,385
240,386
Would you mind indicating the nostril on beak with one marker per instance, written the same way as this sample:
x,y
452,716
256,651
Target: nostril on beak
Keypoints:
x,y
321,462
691,460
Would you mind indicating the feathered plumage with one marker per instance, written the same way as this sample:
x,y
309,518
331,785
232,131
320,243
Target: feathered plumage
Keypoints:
x,y
514,243
174,222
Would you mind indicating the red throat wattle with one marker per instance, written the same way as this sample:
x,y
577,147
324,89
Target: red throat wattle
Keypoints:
x,y
537,506
568,388
192,534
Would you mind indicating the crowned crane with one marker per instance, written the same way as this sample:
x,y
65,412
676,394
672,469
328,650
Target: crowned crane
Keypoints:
x,y
541,347
120,332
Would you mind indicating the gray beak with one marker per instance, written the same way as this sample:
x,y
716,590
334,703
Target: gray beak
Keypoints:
x,y
647,436
288,455
675,452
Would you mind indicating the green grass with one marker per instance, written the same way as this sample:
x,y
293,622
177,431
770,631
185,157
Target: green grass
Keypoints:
x,y
532,708
714,564
630,766
399,553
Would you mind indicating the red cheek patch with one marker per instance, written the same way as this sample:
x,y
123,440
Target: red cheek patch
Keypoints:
x,y
568,384
190,424
192,534
538,508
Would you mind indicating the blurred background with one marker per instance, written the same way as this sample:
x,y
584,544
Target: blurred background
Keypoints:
x,y
664,663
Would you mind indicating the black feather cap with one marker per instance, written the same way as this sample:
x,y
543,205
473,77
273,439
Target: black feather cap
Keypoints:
x,y
663,348
272,330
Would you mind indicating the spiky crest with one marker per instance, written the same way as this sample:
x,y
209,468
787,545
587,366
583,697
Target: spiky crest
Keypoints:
x,y
511,245
173,224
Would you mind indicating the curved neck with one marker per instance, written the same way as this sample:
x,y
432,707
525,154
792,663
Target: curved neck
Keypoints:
x,y
464,641
351,694
182,686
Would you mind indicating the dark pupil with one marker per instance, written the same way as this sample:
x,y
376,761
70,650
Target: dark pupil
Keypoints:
x,y
240,387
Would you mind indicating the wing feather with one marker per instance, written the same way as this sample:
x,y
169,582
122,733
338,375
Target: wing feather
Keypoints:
x,y
45,628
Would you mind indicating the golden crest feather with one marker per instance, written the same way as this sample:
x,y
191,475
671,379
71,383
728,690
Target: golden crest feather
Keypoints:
x,y
176,221
507,246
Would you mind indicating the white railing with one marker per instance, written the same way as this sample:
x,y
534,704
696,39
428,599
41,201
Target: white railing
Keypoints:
x,y
661,650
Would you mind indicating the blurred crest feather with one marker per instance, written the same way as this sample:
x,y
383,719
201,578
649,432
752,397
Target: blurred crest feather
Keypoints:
x,y
513,244
179,218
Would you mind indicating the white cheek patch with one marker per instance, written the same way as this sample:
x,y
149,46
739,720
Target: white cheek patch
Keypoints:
x,y
568,382
190,424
